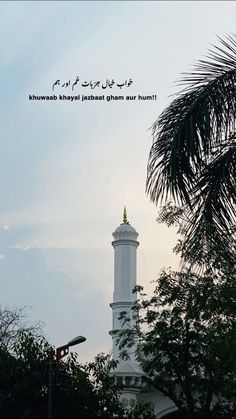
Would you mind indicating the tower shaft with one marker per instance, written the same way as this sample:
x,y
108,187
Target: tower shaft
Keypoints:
x,y
125,248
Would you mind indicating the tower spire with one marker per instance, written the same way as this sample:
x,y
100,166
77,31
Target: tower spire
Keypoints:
x,y
125,220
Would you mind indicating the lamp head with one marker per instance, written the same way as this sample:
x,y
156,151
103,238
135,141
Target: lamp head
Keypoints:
x,y
77,340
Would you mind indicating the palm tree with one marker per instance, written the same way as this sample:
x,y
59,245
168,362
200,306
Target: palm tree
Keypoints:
x,y
193,156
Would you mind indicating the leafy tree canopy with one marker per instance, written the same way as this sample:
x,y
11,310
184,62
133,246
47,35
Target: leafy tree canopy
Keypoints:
x,y
187,341
79,391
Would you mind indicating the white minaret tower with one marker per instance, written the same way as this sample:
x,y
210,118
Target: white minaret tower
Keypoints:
x,y
135,385
125,247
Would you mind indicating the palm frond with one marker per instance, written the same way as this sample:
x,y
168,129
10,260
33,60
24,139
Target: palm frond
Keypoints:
x,y
193,126
193,156
212,224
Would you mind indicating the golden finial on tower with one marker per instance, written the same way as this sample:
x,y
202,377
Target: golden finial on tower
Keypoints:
x,y
125,221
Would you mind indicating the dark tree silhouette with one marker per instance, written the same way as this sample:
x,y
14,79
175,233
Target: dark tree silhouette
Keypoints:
x,y
193,156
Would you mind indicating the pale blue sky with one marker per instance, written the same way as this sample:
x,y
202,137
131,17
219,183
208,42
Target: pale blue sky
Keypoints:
x,y
67,169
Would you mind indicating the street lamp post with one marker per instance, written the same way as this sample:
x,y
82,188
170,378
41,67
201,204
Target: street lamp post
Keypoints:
x,y
60,352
